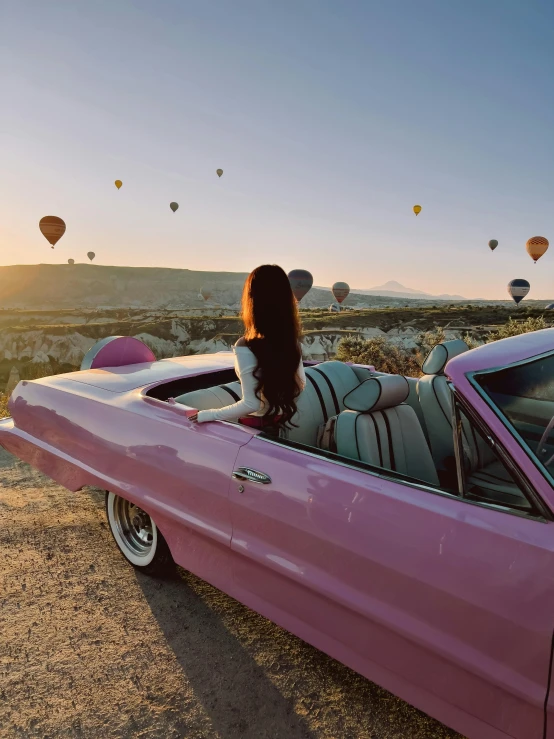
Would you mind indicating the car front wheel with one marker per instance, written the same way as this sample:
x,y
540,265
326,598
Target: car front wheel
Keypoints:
x,y
138,537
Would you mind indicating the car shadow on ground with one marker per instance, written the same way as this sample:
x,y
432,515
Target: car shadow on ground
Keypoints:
x,y
258,681
220,659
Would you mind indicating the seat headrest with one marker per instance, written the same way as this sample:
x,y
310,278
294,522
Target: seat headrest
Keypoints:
x,y
436,360
377,393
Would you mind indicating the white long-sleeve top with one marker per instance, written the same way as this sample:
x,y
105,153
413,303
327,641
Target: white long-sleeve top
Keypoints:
x,y
250,404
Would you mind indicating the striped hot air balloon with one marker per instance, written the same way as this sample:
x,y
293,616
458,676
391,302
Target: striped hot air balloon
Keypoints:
x,y
52,228
301,282
518,289
340,291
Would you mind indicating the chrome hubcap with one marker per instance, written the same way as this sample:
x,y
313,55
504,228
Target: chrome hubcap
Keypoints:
x,y
134,527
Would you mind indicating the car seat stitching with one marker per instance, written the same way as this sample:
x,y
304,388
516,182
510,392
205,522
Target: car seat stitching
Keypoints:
x,y
378,438
356,435
232,393
331,388
320,396
403,445
438,401
389,435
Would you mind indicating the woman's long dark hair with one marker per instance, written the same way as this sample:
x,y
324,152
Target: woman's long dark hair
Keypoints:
x,y
272,332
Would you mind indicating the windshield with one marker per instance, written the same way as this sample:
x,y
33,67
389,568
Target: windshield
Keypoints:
x,y
524,395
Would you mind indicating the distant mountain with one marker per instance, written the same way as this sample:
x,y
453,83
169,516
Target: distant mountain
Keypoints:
x,y
393,289
95,286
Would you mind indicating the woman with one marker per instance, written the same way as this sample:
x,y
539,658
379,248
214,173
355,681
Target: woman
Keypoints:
x,y
268,359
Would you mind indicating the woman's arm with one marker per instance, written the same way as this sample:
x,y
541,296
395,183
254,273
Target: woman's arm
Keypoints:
x,y
246,362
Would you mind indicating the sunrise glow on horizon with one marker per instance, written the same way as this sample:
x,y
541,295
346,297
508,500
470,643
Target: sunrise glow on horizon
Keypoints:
x,y
330,121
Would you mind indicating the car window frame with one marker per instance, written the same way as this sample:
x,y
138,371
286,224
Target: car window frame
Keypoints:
x,y
539,510
504,420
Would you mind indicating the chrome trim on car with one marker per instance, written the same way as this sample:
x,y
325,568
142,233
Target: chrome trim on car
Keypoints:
x,y
250,475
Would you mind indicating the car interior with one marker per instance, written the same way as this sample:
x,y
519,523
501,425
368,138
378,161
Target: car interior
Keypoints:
x,y
391,423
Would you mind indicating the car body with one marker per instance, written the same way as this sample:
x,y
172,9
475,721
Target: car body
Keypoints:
x,y
444,599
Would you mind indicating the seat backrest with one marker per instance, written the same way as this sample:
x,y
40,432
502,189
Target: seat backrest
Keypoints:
x,y
436,403
326,386
379,428
413,401
212,397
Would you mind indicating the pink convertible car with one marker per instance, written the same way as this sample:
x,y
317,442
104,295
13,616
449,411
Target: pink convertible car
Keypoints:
x,y
420,551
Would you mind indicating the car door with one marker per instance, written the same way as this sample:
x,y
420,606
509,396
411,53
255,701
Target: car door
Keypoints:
x,y
446,603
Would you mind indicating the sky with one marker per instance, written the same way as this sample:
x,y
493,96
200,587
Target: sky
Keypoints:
x,y
330,119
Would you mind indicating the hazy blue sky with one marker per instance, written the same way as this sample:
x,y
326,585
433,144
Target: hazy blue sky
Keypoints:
x,y
330,119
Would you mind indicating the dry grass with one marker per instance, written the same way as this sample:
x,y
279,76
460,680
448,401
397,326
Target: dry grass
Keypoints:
x,y
4,406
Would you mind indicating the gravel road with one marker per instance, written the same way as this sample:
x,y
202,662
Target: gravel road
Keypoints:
x,y
89,648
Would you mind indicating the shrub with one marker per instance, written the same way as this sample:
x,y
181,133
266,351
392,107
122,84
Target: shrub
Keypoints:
x,y
430,339
4,406
514,328
386,356
471,341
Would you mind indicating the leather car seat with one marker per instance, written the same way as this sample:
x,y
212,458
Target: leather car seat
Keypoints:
x,y
212,397
326,385
436,403
379,428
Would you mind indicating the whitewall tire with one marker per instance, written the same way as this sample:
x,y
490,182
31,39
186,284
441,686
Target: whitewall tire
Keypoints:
x,y
137,536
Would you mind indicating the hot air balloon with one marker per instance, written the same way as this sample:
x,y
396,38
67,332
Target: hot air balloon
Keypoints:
x,y
518,289
71,261
334,308
174,206
536,247
52,228
417,209
340,291
91,255
301,282
493,243
118,184
219,172
206,293
550,306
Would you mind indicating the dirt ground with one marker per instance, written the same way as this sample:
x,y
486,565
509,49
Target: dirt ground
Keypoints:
x,y
89,648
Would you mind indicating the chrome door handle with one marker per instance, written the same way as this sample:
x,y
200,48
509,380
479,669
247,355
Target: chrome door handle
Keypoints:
x,y
246,473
